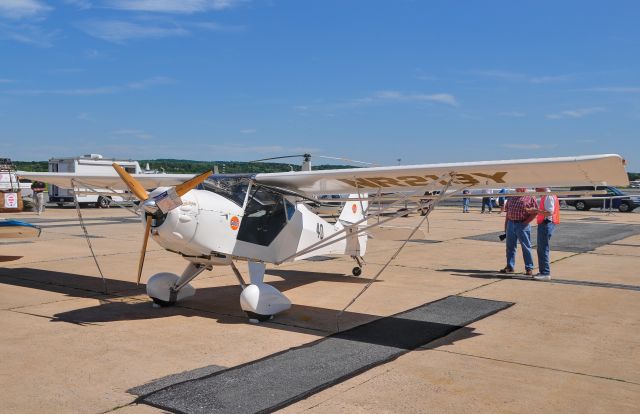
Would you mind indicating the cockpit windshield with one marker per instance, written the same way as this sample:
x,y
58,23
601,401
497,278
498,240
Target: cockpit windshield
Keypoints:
x,y
234,189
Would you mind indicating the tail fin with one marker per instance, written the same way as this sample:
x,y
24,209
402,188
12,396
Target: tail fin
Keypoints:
x,y
353,212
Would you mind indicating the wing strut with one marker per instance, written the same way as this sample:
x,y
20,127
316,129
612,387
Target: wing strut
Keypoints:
x,y
430,208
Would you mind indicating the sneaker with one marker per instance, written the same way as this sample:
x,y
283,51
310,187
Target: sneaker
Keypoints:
x,y
507,269
540,276
529,272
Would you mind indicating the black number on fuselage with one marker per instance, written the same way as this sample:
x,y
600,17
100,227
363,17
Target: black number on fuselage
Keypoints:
x,y
320,231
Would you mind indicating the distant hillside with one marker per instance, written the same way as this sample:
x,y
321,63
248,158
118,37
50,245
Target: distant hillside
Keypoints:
x,y
228,167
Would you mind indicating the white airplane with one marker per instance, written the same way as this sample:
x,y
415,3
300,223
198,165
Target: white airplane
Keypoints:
x,y
262,218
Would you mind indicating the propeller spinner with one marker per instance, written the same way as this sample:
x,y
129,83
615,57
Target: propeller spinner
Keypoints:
x,y
150,204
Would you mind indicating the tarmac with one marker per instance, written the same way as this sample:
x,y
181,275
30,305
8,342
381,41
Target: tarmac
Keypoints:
x,y
440,331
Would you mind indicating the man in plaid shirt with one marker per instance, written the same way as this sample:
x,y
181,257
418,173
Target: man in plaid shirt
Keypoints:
x,y
517,227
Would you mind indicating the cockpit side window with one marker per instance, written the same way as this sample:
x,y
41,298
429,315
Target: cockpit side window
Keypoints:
x,y
290,207
234,189
264,217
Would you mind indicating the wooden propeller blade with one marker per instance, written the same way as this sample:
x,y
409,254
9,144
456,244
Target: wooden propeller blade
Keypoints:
x,y
184,188
143,252
135,187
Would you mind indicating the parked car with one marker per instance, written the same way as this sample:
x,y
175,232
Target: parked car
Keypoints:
x,y
625,203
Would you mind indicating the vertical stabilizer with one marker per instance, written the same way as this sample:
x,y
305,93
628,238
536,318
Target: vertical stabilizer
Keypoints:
x,y
353,212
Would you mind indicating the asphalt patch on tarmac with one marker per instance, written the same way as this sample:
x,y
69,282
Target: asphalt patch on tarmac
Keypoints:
x,y
424,241
169,380
273,382
577,237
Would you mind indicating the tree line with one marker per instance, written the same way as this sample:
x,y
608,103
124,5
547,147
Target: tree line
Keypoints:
x,y
190,166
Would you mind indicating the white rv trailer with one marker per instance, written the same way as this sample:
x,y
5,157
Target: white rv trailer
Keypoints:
x,y
89,164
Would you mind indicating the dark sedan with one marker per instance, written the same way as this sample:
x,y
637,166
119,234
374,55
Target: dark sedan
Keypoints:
x,y
617,199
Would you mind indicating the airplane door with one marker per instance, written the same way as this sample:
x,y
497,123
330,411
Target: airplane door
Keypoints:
x,y
264,217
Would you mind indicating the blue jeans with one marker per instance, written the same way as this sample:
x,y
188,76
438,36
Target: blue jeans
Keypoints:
x,y
545,231
486,202
522,232
465,205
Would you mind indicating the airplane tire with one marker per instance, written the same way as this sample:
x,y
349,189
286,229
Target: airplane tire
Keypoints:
x,y
581,206
103,202
356,271
258,317
162,303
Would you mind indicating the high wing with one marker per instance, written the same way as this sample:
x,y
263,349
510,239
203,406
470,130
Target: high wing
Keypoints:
x,y
110,180
534,172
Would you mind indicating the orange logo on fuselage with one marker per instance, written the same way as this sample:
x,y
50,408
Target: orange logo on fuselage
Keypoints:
x,y
234,223
354,208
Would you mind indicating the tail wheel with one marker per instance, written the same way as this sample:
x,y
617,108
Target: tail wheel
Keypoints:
x,y
356,271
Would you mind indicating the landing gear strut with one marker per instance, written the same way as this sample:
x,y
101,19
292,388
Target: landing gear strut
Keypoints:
x,y
165,289
259,300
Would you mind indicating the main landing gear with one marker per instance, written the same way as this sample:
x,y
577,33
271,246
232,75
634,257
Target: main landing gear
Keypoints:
x,y
259,300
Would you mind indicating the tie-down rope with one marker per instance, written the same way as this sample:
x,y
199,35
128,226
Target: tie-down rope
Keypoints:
x,y
86,234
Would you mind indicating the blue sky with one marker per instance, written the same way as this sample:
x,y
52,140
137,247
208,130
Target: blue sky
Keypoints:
x,y
420,81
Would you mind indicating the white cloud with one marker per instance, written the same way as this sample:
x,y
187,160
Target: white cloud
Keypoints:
x,y
135,133
248,131
216,27
499,74
104,90
529,146
506,75
396,96
576,113
80,4
4,80
173,6
513,114
550,79
21,9
100,90
118,31
94,54
84,116
28,33
64,71
145,83
619,89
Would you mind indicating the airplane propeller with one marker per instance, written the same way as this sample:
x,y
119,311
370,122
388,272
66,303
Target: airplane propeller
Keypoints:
x,y
149,204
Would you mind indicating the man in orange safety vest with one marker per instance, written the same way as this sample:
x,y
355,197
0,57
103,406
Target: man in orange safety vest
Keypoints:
x,y
548,218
